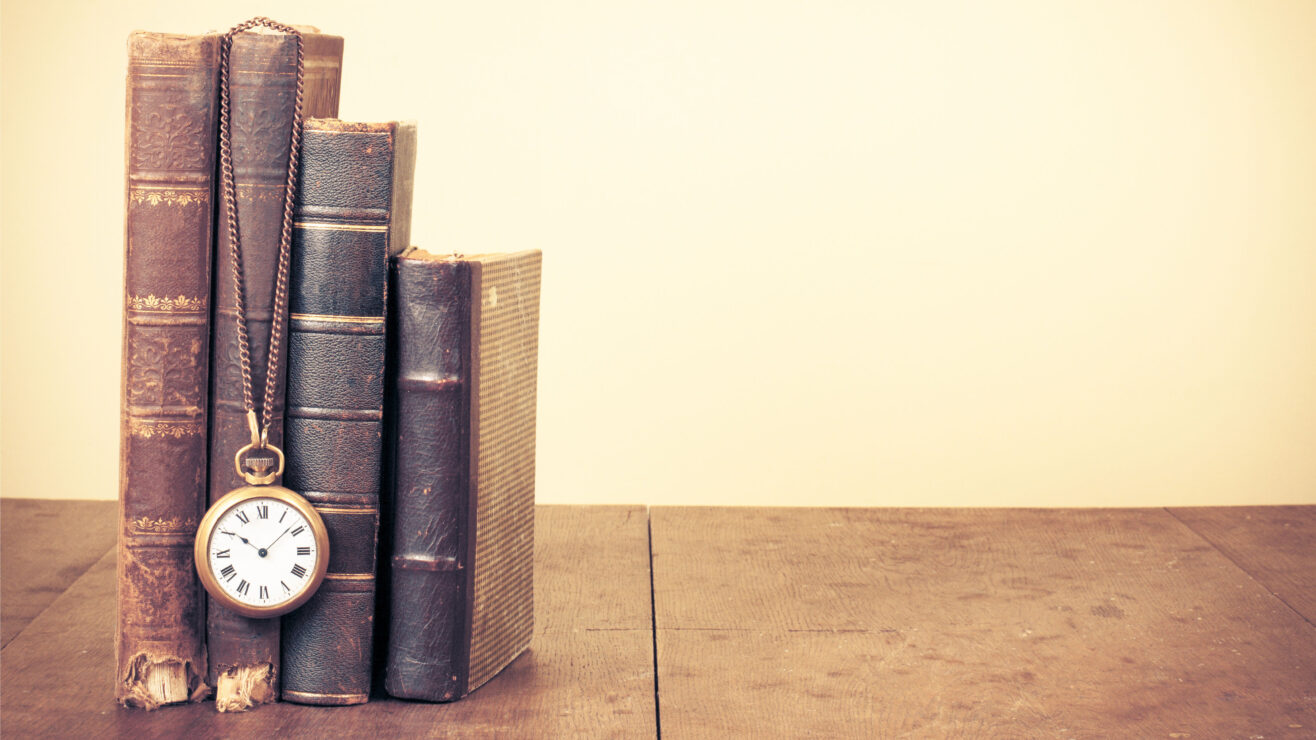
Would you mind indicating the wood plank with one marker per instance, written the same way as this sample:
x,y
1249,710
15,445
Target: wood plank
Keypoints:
x,y
57,676
1274,544
38,557
587,672
592,568
979,623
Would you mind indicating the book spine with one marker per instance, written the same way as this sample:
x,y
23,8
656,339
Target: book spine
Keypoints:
x,y
333,429
244,653
431,479
171,124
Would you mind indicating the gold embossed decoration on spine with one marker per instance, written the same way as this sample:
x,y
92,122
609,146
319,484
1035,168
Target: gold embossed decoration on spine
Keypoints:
x,y
248,560
171,113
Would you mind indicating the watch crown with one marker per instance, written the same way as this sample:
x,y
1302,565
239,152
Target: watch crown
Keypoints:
x,y
259,468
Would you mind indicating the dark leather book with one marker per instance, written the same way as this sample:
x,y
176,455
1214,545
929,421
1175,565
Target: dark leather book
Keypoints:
x,y
465,358
160,649
353,213
244,652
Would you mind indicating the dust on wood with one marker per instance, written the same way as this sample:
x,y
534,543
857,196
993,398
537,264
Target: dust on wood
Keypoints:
x,y
36,566
1274,544
937,623
589,670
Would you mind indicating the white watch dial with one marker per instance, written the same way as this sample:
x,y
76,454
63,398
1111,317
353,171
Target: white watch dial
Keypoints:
x,y
262,552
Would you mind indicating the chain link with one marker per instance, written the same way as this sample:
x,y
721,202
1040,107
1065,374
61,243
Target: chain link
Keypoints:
x,y
285,237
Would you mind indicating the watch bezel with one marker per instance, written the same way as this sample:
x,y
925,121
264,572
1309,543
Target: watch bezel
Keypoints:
x,y
206,531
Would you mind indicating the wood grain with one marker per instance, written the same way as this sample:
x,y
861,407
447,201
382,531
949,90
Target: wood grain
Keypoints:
x,y
592,568
1273,544
57,677
59,541
587,672
975,623
799,623
570,684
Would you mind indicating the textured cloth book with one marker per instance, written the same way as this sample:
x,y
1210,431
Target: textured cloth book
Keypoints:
x,y
244,653
353,213
465,354
171,108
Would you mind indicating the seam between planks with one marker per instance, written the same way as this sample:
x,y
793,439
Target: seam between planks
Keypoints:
x,y
78,577
608,629
788,630
1218,548
653,619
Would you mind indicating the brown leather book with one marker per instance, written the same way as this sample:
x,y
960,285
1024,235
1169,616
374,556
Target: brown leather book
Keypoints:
x,y
353,213
465,352
160,651
244,652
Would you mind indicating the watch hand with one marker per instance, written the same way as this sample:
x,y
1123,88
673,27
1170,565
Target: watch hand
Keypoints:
x,y
276,539
245,541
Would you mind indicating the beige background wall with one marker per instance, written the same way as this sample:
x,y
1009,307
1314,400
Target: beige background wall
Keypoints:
x,y
856,253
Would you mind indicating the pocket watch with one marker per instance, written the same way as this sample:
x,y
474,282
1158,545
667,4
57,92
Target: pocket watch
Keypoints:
x,y
261,550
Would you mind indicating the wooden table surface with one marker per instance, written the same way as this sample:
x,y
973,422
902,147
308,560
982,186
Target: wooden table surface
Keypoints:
x,y
766,622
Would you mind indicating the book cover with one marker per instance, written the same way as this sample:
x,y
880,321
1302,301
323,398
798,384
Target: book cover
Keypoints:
x,y
243,652
171,127
353,213
462,469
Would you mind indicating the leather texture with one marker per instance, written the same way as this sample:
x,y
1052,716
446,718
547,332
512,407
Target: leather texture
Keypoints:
x,y
462,470
263,82
341,247
430,475
162,472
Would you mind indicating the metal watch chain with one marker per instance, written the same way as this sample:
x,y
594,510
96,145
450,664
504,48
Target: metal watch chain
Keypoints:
x,y
259,429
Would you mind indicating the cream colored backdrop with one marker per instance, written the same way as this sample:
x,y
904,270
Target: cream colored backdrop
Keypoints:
x,y
851,253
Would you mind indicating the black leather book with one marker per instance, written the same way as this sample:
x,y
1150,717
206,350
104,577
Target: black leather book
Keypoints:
x,y
353,212
462,469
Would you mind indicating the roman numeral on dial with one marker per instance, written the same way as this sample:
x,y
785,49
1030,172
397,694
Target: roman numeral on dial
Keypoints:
x,y
263,511
228,572
264,592
243,587
242,517
299,571
222,554
303,551
298,531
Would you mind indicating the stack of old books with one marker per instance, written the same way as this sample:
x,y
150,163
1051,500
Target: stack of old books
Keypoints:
x,y
407,412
